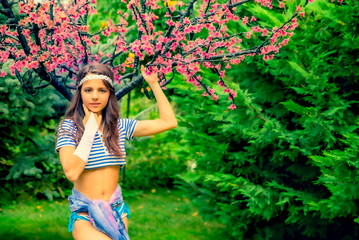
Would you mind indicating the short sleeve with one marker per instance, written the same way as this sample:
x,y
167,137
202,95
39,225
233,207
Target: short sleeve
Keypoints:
x,y
66,135
127,126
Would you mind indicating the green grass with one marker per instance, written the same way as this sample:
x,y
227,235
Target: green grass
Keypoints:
x,y
163,214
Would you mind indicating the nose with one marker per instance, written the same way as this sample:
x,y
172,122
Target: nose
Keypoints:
x,y
94,95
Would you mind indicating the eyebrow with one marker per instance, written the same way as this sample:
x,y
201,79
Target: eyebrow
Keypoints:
x,y
101,88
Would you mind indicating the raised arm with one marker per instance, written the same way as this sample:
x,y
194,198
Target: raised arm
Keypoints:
x,y
167,118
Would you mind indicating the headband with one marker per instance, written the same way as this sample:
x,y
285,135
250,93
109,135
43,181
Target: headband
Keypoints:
x,y
90,77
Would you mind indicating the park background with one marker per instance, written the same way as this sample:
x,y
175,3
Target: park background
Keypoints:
x,y
282,165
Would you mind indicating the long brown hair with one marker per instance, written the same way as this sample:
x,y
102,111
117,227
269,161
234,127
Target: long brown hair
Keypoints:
x,y
110,114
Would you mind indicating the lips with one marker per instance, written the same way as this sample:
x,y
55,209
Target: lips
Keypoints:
x,y
94,104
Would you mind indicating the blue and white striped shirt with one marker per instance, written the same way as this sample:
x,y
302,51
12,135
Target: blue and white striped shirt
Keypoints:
x,y
99,155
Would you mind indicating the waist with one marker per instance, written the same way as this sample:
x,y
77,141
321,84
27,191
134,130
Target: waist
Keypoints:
x,y
79,202
98,183
86,213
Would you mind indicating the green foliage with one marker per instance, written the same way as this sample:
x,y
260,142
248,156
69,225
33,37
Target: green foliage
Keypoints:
x,y
339,170
28,164
151,161
283,165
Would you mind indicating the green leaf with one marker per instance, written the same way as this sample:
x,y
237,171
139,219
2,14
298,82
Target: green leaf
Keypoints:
x,y
294,107
295,66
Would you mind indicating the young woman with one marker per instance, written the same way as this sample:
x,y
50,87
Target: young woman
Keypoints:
x,y
90,141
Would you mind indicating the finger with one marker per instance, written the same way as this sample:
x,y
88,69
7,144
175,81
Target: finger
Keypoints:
x,y
143,70
99,119
98,115
87,114
87,111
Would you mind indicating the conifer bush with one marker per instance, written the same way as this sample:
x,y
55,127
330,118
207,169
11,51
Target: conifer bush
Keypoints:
x,y
284,164
28,162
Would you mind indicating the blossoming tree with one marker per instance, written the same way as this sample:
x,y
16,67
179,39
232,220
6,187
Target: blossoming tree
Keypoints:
x,y
47,42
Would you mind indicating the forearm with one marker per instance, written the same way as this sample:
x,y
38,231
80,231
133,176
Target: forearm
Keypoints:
x,y
74,160
165,109
72,165
167,119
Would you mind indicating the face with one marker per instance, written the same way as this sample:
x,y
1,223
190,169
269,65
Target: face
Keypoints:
x,y
95,95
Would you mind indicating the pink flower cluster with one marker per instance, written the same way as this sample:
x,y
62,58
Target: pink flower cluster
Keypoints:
x,y
57,38
53,35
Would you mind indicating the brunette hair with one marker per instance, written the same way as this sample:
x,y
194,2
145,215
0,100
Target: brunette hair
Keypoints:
x,y
110,114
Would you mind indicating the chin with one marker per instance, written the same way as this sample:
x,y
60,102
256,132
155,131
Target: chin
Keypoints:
x,y
95,110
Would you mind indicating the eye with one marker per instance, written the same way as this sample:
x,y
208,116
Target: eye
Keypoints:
x,y
87,90
103,91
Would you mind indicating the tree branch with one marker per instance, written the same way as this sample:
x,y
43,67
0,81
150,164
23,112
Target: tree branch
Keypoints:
x,y
136,80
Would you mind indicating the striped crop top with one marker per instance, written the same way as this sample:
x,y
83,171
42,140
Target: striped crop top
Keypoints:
x,y
99,155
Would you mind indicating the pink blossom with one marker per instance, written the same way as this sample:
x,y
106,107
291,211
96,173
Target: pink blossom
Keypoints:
x,y
221,74
168,54
214,97
195,69
245,20
284,42
274,38
100,53
186,20
248,35
211,28
232,106
4,56
220,83
170,22
2,73
256,29
264,32
69,42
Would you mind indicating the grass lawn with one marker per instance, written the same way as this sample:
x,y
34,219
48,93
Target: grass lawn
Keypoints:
x,y
161,214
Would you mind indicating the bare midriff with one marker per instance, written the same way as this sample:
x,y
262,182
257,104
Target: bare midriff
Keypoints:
x,y
99,183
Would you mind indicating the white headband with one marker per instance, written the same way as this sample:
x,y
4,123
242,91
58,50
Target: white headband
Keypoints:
x,y
90,77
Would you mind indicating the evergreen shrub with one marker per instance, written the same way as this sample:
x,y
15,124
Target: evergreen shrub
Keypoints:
x,y
28,163
284,164
152,161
